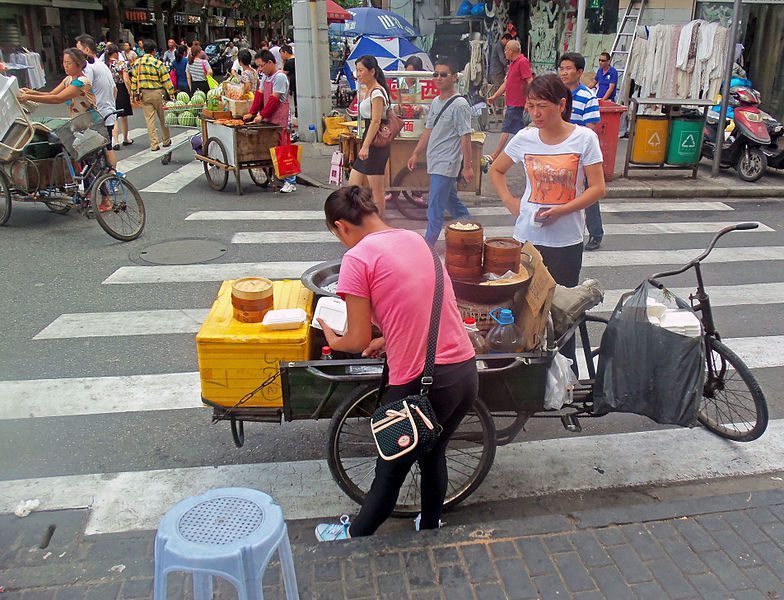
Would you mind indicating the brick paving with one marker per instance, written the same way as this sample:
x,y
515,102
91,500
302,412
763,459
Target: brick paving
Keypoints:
x,y
721,547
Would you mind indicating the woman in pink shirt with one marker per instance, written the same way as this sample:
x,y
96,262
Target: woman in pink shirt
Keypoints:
x,y
386,278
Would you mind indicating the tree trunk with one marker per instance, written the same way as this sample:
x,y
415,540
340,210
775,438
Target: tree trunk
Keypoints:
x,y
115,22
160,33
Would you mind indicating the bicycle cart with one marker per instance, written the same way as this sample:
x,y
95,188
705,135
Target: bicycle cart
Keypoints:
x,y
245,380
64,166
235,147
175,120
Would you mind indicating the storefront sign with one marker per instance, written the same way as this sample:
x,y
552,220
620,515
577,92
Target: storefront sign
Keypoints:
x,y
180,18
429,89
194,19
218,21
136,15
240,22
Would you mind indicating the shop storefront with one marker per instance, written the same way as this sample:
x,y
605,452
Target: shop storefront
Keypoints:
x,y
762,36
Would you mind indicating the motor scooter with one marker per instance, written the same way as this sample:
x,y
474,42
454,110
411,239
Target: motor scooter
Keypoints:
x,y
775,150
747,136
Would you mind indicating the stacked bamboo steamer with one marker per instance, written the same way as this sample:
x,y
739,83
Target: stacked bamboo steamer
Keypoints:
x,y
251,298
501,254
464,243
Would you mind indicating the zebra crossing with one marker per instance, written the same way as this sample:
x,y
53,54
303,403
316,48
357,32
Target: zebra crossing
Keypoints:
x,y
135,499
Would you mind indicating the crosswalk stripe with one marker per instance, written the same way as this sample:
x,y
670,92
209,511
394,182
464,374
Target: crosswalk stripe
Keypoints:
x,y
207,272
110,324
488,211
625,258
140,159
174,182
293,270
720,295
136,500
97,395
307,237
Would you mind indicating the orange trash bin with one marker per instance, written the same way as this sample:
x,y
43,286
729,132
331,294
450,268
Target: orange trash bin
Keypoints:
x,y
609,129
651,137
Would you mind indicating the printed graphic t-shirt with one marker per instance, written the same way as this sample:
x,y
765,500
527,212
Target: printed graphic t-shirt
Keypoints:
x,y
555,175
401,299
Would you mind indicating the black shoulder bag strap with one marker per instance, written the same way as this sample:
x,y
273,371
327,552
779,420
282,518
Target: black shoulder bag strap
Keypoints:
x,y
435,320
432,336
441,112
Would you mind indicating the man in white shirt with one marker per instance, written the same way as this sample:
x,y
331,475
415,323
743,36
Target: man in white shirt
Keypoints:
x,y
275,49
104,88
170,54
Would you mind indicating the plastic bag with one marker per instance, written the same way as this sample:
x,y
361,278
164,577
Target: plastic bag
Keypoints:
x,y
648,367
570,304
560,383
465,8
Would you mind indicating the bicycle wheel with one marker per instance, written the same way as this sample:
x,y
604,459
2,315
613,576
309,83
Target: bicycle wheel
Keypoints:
x,y
217,178
352,453
5,199
261,176
413,201
59,206
125,220
733,405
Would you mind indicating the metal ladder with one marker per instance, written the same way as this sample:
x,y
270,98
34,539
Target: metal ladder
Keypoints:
x,y
624,39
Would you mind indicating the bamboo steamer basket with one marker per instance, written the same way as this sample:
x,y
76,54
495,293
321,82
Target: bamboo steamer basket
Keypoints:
x,y
501,254
251,298
463,258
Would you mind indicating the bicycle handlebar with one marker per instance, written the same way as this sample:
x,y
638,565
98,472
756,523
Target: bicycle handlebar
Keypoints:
x,y
653,279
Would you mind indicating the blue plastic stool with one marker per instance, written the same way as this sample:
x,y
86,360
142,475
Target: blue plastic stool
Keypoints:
x,y
229,533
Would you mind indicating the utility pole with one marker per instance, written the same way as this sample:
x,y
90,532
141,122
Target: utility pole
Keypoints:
x,y
725,93
580,26
313,85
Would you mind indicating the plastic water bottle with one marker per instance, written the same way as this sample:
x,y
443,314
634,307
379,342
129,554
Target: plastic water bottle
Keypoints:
x,y
504,336
477,341
326,353
312,134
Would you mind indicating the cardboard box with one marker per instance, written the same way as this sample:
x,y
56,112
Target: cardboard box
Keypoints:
x,y
534,308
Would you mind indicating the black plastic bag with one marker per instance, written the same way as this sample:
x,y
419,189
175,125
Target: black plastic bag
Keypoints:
x,y
646,369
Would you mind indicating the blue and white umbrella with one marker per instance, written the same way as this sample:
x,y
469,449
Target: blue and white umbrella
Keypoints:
x,y
391,54
379,23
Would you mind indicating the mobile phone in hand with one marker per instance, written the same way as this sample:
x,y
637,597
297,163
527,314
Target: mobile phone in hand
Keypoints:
x,y
538,217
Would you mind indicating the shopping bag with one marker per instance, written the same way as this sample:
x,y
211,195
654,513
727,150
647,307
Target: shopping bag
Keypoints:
x,y
651,359
173,77
287,159
211,82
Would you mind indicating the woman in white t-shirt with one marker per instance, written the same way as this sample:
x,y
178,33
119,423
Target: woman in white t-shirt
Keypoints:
x,y
371,162
557,157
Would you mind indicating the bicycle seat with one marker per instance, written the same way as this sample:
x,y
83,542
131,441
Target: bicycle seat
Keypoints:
x,y
570,304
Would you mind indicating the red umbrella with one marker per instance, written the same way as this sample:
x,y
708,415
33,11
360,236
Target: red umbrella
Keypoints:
x,y
336,13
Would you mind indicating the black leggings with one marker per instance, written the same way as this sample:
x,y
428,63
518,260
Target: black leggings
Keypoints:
x,y
452,395
564,265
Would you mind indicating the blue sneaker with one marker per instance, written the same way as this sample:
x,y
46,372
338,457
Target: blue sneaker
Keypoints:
x,y
332,532
419,518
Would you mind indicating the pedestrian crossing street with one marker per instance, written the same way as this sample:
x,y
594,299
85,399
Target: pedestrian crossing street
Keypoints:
x,y
136,499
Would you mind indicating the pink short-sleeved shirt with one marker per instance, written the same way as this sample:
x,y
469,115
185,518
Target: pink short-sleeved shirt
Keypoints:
x,y
394,269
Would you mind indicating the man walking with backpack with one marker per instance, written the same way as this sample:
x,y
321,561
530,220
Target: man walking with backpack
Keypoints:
x,y
447,140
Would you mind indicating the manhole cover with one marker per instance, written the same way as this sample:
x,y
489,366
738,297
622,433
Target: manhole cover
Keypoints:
x,y
183,252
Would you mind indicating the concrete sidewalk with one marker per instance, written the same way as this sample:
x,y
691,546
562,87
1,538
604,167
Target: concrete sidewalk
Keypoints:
x,y
639,184
716,547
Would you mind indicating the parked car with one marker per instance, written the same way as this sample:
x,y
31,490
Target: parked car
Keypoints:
x,y
214,53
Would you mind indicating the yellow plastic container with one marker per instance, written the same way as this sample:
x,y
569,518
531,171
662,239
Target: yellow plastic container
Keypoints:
x,y
235,358
650,139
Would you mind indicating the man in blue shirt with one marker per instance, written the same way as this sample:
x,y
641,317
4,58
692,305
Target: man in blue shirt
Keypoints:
x,y
606,82
585,111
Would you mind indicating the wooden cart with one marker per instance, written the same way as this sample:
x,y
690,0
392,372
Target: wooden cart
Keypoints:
x,y
410,188
234,149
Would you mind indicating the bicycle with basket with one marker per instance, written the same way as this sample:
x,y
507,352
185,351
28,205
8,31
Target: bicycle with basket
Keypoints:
x,y
64,166
721,392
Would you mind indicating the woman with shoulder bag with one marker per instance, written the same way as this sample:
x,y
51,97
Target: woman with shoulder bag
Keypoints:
x,y
197,70
371,162
371,281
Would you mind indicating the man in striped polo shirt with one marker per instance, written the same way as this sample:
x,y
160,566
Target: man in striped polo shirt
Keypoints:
x,y
585,111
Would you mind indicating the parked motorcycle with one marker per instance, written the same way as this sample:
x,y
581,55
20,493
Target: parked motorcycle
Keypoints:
x,y
748,135
775,150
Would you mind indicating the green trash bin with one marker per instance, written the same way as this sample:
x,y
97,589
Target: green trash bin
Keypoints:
x,y
685,141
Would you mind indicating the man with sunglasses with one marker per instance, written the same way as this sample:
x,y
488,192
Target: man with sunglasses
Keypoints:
x,y
606,82
447,140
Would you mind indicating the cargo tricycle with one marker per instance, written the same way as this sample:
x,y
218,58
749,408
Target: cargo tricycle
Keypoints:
x,y
252,375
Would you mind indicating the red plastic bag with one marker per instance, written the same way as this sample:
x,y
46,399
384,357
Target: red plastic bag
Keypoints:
x,y
286,158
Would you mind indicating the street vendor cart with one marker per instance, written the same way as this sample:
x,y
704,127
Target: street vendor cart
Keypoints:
x,y
231,146
252,373
412,93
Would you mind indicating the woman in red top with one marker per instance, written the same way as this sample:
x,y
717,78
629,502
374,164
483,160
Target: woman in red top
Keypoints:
x,y
387,278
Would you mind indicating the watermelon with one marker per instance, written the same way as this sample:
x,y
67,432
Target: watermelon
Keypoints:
x,y
198,97
172,118
170,104
180,104
213,93
187,119
184,98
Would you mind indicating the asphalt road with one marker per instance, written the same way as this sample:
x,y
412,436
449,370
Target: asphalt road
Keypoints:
x,y
58,265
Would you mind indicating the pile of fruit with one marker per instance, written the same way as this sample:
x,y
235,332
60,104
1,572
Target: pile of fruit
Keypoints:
x,y
184,110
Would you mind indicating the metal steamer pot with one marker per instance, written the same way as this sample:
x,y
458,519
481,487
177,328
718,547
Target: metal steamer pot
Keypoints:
x,y
320,275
